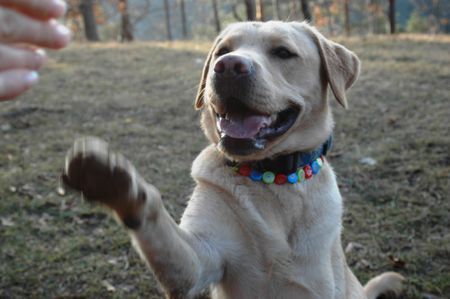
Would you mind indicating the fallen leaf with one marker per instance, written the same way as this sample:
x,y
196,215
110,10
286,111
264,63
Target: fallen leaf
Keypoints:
x,y
353,246
113,261
7,221
61,191
109,287
6,127
365,263
396,262
368,161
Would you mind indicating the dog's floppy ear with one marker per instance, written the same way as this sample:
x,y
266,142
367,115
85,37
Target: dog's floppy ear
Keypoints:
x,y
201,87
341,66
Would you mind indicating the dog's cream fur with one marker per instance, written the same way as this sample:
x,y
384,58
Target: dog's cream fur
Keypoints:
x,y
246,239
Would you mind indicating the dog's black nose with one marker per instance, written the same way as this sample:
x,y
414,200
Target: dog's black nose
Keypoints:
x,y
232,66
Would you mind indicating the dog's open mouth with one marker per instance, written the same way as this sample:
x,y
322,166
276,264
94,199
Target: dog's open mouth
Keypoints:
x,y
244,131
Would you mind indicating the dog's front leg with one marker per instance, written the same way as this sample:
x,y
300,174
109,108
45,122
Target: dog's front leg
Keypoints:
x,y
183,263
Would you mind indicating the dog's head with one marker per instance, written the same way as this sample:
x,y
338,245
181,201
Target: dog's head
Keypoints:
x,y
263,89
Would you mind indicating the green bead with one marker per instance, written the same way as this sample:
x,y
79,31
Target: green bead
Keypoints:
x,y
268,177
301,175
320,162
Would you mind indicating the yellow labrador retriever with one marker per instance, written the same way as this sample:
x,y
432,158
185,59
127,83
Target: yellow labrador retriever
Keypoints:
x,y
264,220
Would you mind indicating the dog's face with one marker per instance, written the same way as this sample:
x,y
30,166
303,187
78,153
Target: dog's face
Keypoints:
x,y
264,88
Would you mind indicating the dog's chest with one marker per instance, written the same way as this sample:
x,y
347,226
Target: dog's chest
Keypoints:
x,y
289,233
283,235
302,217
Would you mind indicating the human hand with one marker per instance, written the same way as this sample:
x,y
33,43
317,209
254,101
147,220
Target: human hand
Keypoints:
x,y
26,26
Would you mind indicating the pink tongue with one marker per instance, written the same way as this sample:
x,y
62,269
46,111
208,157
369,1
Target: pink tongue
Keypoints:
x,y
244,126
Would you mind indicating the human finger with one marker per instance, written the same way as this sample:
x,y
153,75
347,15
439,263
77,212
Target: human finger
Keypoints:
x,y
18,28
40,9
20,58
15,82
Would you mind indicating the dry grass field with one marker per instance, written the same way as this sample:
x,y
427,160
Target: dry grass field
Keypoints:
x,y
391,154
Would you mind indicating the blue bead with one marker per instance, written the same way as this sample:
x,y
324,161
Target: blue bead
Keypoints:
x,y
256,175
315,167
292,178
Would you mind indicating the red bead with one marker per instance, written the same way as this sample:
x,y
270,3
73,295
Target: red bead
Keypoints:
x,y
245,170
280,179
308,171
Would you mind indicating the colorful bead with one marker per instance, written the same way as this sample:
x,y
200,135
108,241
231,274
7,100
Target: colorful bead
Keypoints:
x,y
315,167
245,170
268,177
256,175
292,178
280,179
308,171
320,161
301,175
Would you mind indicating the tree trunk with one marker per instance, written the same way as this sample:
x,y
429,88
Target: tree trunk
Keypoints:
x,y
251,10
276,9
260,11
90,25
392,15
126,29
235,13
305,10
293,13
183,18
347,17
330,20
216,16
168,26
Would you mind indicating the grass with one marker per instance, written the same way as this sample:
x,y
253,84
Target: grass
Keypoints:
x,y
139,98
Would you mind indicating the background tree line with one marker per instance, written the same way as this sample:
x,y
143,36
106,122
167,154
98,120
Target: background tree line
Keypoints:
x,y
126,20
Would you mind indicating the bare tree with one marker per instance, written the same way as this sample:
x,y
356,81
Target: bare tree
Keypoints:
x,y
251,9
293,10
260,10
183,18
276,9
305,10
168,26
235,13
347,17
126,28
392,15
90,25
216,16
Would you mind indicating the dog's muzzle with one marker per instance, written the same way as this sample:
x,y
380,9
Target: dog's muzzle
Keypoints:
x,y
233,77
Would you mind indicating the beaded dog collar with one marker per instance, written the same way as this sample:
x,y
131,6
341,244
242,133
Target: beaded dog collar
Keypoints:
x,y
292,168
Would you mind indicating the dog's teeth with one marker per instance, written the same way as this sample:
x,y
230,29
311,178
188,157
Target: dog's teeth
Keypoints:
x,y
273,118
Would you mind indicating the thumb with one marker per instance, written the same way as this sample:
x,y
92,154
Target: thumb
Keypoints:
x,y
15,82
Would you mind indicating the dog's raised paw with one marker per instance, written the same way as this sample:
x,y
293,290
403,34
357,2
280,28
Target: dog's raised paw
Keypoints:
x,y
97,172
